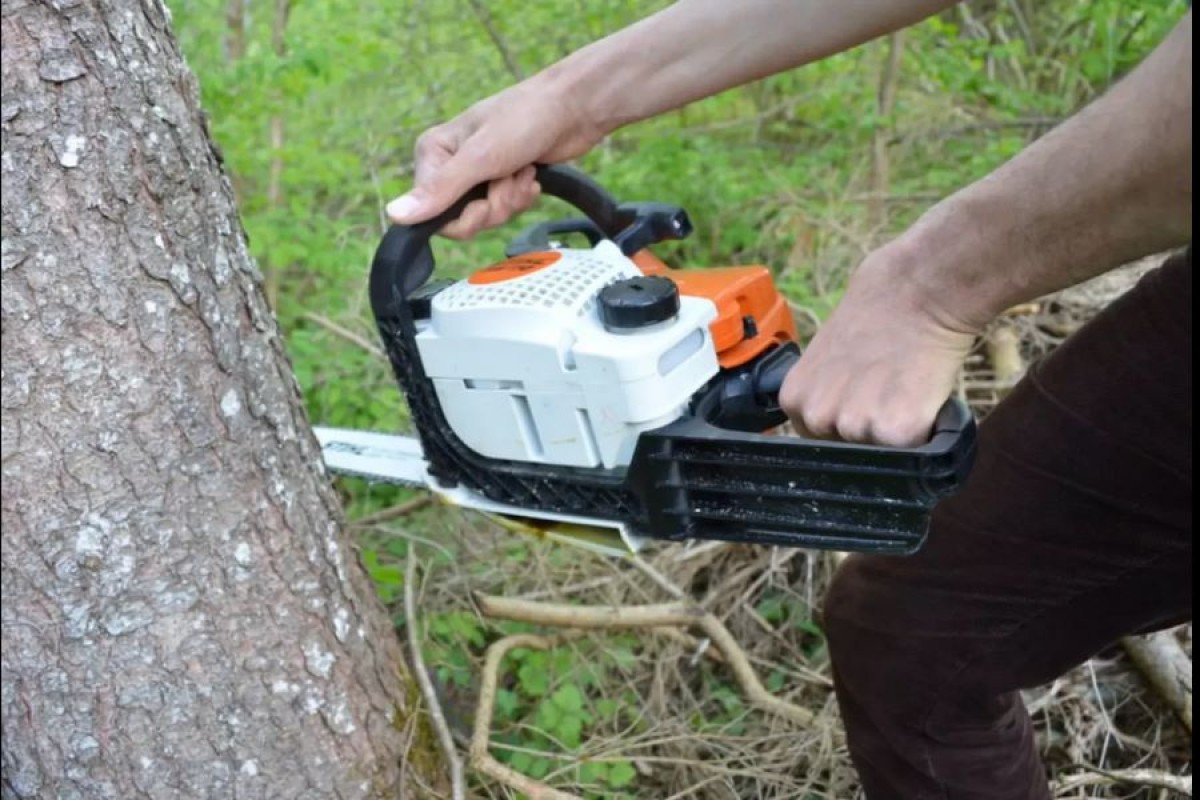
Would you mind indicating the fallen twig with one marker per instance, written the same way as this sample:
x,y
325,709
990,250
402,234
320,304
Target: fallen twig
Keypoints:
x,y
479,754
650,616
661,617
393,512
1092,776
437,718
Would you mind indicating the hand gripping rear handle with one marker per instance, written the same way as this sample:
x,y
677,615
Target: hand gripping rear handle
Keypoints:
x,y
713,475
952,418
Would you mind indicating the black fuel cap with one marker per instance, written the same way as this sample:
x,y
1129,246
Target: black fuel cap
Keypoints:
x,y
635,303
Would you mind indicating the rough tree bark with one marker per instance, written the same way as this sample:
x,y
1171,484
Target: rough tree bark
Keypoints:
x,y
182,616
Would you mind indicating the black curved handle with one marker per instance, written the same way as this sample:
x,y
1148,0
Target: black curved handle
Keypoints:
x,y
536,237
403,260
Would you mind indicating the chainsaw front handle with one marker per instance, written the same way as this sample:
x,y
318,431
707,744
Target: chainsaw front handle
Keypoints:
x,y
403,261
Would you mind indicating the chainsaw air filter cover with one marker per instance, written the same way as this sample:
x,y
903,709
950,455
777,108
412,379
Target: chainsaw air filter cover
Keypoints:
x,y
528,365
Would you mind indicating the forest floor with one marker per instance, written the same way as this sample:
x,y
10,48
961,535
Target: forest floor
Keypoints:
x,y
660,708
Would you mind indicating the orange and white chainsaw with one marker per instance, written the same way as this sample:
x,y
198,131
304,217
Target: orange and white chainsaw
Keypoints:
x,y
596,395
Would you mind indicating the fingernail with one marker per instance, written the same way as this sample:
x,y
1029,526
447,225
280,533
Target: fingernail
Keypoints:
x,y
403,207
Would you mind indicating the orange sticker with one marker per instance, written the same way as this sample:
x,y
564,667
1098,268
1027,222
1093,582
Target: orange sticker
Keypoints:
x,y
515,267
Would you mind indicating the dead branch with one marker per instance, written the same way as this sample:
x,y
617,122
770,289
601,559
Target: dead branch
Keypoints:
x,y
650,616
661,618
660,579
480,757
1139,777
345,333
1167,668
393,512
437,718
888,83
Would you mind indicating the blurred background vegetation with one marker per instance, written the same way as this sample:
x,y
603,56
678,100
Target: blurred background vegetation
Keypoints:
x,y
316,105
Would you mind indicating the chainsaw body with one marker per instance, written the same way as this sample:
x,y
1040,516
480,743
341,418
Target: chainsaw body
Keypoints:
x,y
526,369
565,356
597,383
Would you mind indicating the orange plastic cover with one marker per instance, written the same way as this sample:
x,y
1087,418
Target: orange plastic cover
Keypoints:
x,y
515,267
751,313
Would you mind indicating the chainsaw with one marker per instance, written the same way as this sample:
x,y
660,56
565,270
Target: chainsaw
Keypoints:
x,y
596,395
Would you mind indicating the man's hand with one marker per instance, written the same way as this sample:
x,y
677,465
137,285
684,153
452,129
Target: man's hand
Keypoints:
x,y
498,140
1109,185
880,367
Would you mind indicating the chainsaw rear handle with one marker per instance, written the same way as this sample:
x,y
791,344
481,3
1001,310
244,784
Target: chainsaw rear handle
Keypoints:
x,y
748,400
952,417
713,474
404,260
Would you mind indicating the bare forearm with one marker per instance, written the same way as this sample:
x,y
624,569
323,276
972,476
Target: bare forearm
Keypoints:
x,y
1110,185
696,48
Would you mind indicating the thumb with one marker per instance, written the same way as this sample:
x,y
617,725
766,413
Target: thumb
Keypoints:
x,y
436,189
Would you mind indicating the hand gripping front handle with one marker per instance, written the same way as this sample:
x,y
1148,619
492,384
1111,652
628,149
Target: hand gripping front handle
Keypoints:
x,y
403,261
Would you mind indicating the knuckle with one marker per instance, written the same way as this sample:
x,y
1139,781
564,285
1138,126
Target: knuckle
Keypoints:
x,y
854,428
426,143
791,400
902,432
818,423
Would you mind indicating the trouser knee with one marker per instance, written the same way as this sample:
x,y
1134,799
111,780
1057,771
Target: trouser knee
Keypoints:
x,y
868,621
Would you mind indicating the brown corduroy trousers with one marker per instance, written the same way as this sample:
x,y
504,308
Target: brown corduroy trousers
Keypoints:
x,y
1074,529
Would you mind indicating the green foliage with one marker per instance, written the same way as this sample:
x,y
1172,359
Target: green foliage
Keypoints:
x,y
553,705
317,136
772,173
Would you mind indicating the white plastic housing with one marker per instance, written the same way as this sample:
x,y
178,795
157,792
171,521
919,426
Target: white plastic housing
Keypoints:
x,y
524,370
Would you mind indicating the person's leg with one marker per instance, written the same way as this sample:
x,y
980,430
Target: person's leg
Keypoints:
x,y
1074,529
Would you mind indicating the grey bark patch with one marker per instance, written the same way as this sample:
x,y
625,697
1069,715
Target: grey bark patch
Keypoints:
x,y
9,109
60,65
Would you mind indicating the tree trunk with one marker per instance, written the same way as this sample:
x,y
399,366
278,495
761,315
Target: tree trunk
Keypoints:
x,y
182,615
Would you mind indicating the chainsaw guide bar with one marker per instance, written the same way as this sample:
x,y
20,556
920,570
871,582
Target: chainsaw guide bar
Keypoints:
x,y
599,397
388,458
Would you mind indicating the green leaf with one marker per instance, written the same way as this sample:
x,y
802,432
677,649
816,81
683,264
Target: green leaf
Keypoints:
x,y
593,772
532,679
549,716
568,698
621,774
570,731
506,703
